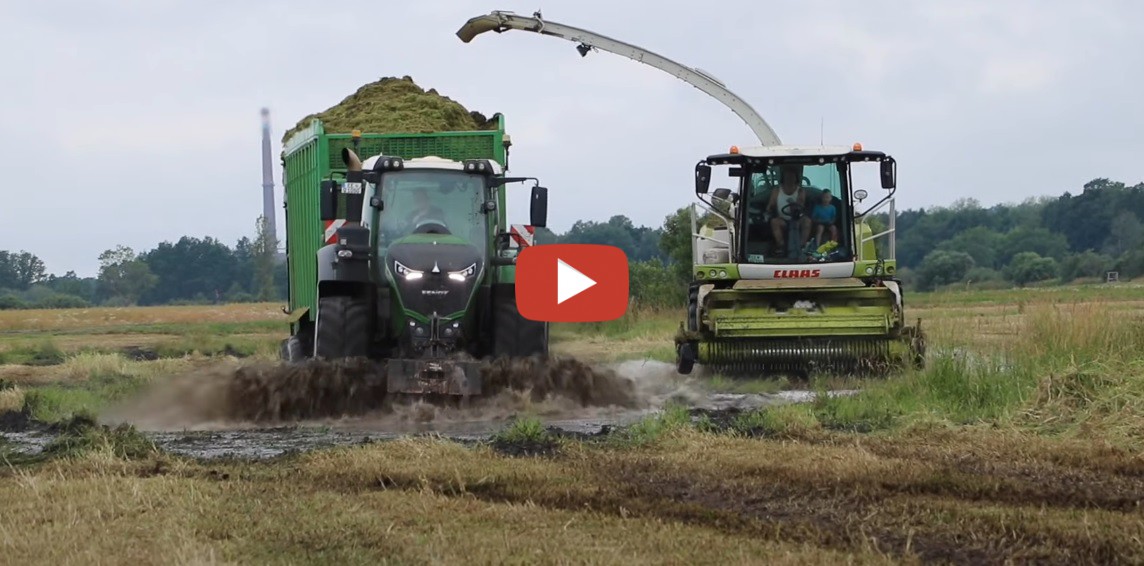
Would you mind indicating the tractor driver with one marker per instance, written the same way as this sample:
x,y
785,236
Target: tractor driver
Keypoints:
x,y
424,210
791,193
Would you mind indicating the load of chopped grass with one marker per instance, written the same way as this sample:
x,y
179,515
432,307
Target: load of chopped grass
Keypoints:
x,y
393,105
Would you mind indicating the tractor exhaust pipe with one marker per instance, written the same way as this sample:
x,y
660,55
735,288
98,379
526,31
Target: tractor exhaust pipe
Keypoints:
x,y
351,160
354,175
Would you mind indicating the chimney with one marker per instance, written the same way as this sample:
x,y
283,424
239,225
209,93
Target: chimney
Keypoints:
x,y
268,176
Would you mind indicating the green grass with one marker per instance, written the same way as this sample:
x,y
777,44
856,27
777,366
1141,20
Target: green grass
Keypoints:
x,y
1079,292
636,323
89,382
180,329
1075,372
45,352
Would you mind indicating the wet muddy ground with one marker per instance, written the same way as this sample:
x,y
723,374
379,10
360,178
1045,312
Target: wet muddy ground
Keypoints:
x,y
267,410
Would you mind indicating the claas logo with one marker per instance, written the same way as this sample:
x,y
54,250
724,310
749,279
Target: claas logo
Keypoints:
x,y
793,273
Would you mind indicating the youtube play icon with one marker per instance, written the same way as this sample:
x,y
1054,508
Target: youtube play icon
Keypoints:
x,y
572,283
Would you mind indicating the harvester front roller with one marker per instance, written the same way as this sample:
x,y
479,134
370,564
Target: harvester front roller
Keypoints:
x,y
843,355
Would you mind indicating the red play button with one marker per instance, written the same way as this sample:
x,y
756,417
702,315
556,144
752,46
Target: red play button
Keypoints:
x,y
572,283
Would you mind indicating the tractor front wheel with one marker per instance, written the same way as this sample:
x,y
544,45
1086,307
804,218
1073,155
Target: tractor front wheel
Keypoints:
x,y
343,328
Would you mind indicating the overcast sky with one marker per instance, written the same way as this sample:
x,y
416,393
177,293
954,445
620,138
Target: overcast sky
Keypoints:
x,y
134,122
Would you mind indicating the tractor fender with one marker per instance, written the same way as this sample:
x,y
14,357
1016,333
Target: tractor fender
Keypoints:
x,y
348,260
700,300
342,276
896,290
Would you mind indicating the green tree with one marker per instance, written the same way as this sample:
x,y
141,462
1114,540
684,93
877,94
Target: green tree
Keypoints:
x,y
1039,240
1030,267
190,268
20,270
983,244
124,276
942,267
1125,233
675,243
264,255
1087,264
652,284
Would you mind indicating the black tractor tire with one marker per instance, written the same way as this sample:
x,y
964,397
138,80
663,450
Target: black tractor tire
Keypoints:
x,y
344,328
513,335
293,351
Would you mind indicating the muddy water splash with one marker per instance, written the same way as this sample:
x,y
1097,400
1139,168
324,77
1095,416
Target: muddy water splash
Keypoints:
x,y
260,394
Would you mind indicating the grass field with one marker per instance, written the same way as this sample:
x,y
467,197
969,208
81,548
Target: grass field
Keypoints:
x,y
1021,441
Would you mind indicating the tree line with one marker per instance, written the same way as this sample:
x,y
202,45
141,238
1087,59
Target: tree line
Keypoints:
x,y
1040,241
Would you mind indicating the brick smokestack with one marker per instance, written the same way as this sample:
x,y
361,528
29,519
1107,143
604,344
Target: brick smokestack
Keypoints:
x,y
268,176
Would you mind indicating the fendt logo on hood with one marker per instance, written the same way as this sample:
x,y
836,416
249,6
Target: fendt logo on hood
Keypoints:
x,y
796,273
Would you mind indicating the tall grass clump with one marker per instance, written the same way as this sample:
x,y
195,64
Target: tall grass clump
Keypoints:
x,y
1072,369
1091,378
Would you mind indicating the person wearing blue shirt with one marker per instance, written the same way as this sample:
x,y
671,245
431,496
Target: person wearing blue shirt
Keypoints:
x,y
823,218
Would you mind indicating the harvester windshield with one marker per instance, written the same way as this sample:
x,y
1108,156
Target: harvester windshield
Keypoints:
x,y
431,202
795,212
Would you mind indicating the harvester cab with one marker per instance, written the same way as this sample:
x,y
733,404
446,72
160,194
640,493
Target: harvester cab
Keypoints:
x,y
791,272
421,273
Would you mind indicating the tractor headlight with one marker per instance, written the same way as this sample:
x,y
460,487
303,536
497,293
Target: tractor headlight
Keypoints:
x,y
464,273
406,272
453,330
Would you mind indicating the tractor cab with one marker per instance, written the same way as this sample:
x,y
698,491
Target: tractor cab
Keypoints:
x,y
792,207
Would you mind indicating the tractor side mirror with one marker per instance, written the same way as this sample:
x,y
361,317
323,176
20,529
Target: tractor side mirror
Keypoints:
x,y
722,194
887,168
539,209
328,200
702,178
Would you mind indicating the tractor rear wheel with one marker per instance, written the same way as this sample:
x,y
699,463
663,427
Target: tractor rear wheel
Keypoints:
x,y
343,328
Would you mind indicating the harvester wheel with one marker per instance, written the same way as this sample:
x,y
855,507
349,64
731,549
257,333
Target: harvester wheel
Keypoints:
x,y
343,328
693,309
685,358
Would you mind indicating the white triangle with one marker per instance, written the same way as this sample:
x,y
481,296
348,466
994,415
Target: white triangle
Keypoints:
x,y
570,282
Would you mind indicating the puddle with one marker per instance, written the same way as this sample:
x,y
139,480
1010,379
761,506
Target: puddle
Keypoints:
x,y
189,415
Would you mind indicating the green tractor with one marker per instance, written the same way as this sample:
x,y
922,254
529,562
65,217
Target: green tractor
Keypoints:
x,y
789,276
419,271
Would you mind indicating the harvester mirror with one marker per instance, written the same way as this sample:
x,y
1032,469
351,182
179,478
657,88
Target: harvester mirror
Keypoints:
x,y
860,195
539,210
887,169
702,178
329,200
723,194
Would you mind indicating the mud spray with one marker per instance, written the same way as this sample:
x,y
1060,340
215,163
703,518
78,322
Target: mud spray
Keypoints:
x,y
352,394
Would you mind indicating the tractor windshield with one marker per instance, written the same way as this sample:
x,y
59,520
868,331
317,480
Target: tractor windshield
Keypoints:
x,y
796,214
439,202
